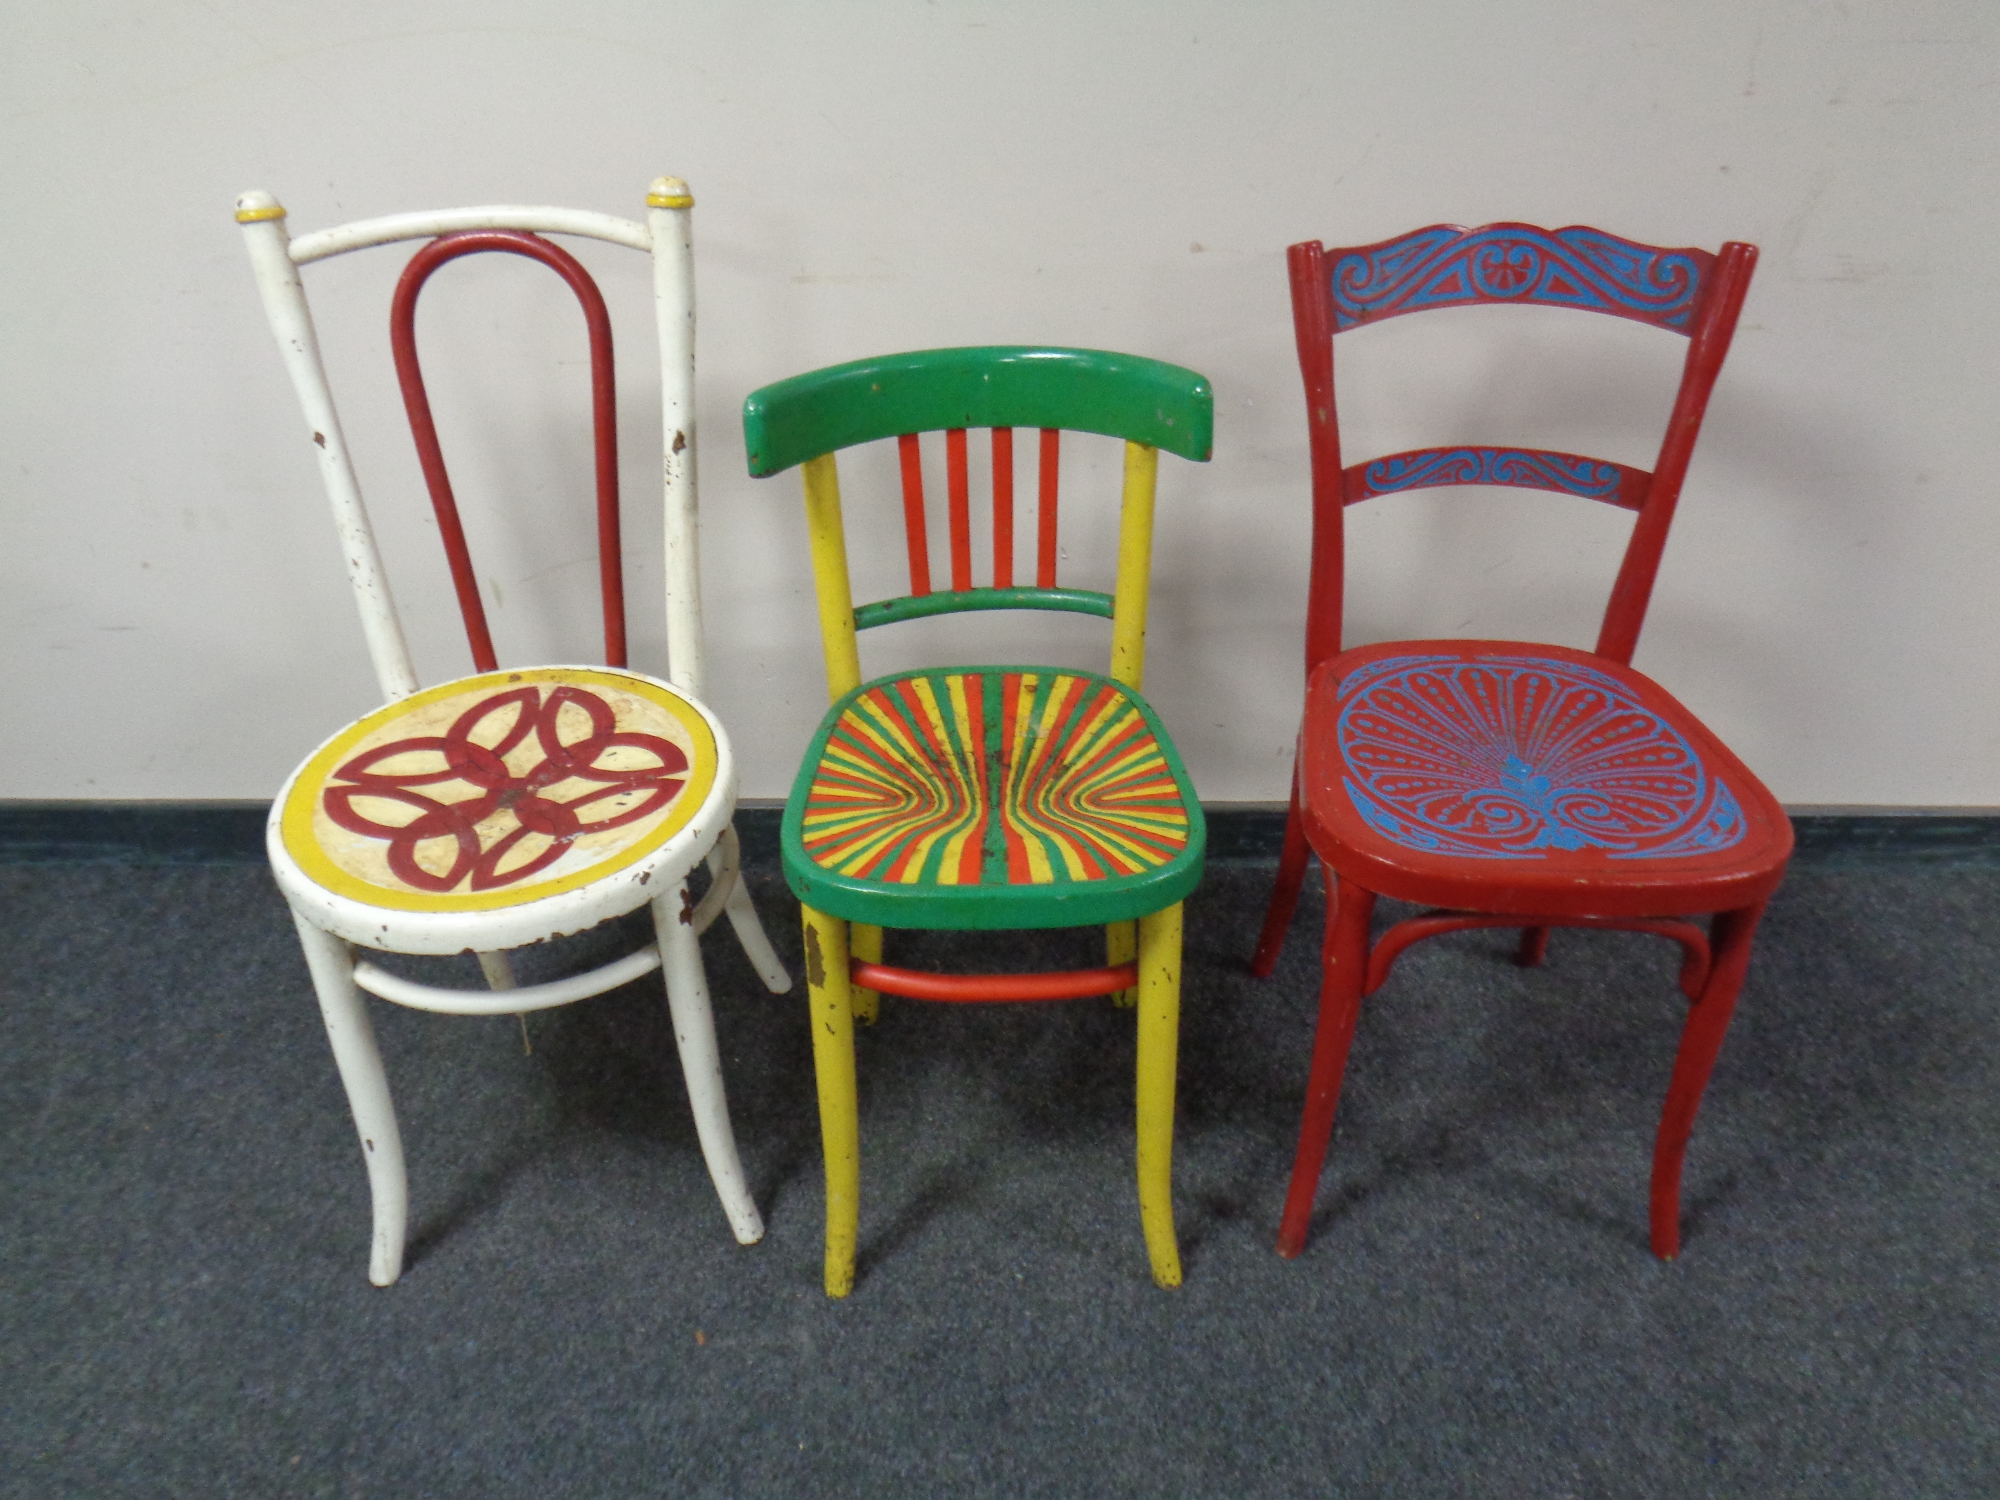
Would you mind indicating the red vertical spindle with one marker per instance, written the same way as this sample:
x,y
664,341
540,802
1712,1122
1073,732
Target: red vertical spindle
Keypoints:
x,y
913,513
1003,507
961,508
1045,516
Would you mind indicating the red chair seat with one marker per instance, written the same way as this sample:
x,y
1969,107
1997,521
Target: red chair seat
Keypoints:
x,y
1531,779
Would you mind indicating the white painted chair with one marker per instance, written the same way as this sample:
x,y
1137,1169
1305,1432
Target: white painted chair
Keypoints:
x,y
509,807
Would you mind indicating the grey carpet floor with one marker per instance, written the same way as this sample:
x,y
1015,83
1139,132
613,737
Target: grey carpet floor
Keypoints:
x,y
183,1231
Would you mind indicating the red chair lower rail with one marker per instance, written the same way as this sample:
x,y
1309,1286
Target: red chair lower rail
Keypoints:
x,y
1389,947
1066,984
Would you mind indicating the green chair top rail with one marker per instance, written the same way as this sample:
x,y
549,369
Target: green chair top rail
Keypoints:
x,y
1077,390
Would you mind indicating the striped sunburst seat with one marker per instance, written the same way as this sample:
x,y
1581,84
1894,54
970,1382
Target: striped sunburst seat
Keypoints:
x,y
992,797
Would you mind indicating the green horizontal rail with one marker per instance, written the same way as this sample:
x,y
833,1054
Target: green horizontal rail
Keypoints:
x,y
962,601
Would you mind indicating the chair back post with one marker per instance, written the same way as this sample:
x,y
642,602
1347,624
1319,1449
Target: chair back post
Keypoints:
x,y
828,539
670,219
284,296
1708,345
1312,326
1135,565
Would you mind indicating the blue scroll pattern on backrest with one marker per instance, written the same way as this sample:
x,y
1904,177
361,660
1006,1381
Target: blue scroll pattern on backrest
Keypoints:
x,y
1511,757
1524,468
1446,266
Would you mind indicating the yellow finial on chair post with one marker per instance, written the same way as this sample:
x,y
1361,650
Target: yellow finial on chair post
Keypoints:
x,y
255,207
669,192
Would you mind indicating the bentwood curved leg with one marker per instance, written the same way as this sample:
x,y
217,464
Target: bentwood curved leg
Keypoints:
x,y
1701,1040
742,914
1285,891
360,1062
694,1034
832,1013
1159,1007
1344,960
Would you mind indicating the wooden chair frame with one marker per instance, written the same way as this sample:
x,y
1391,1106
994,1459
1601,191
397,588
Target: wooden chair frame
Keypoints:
x,y
333,916
805,421
1690,292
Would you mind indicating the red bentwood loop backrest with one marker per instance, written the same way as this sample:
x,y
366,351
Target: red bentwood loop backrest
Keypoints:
x,y
604,413
1686,291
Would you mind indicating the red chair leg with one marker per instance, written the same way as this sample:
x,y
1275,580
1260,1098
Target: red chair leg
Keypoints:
x,y
1284,894
1344,960
1534,947
1701,1040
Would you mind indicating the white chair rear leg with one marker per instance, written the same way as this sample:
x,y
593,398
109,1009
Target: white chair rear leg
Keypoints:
x,y
694,1033
743,917
360,1062
499,971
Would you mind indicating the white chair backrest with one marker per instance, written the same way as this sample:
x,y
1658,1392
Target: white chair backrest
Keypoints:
x,y
667,235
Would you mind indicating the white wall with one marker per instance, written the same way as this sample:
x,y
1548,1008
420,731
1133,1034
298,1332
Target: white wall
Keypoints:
x,y
881,176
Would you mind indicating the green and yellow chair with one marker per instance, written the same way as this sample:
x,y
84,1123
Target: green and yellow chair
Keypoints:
x,y
999,797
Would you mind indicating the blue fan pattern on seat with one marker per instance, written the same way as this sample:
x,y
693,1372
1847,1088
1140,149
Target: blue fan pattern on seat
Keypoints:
x,y
1511,757
1523,468
1446,266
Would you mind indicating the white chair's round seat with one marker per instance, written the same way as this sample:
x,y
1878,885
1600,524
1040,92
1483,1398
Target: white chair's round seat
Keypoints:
x,y
502,809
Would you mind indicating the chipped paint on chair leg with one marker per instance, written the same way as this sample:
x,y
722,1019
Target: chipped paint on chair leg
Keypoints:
x,y
832,1017
864,942
360,1063
701,1063
1121,946
1159,1045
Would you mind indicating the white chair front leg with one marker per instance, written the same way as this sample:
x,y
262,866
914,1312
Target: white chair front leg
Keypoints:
x,y
359,1060
725,862
694,1033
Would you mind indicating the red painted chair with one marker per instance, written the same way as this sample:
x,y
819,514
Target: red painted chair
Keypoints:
x,y
1498,783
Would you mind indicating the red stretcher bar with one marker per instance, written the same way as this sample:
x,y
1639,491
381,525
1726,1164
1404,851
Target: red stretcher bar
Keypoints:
x,y
1067,984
